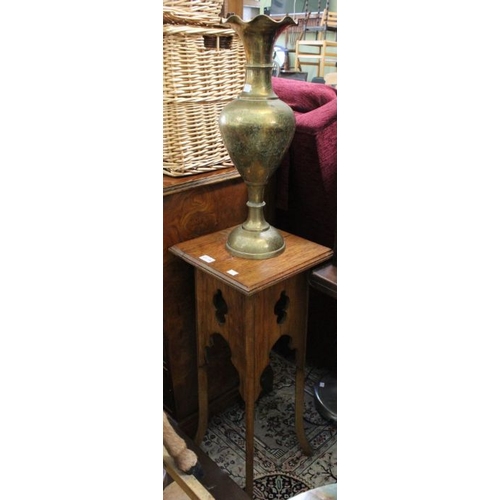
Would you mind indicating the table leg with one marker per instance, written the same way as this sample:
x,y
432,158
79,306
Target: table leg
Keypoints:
x,y
202,394
249,389
249,420
299,410
299,342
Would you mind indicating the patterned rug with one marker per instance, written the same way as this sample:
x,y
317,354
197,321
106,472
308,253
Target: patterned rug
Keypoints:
x,y
281,470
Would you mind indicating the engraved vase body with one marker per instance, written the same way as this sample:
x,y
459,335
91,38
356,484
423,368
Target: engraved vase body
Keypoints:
x,y
257,129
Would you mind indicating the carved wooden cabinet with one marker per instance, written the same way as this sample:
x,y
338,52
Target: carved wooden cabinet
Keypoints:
x,y
194,206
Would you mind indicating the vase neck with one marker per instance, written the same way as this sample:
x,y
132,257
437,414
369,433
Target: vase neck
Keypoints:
x,y
258,37
258,82
259,48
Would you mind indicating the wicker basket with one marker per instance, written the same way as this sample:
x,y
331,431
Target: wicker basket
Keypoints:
x,y
203,70
192,11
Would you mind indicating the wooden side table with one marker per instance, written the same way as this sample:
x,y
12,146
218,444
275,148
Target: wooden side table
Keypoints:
x,y
251,303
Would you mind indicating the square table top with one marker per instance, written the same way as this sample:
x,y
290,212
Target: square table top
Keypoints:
x,y
209,254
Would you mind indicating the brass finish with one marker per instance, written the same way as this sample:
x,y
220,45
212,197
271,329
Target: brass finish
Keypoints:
x,y
257,128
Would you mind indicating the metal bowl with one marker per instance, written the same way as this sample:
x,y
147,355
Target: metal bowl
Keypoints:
x,y
325,397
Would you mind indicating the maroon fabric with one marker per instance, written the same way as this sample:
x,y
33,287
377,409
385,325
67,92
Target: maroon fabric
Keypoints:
x,y
303,96
307,178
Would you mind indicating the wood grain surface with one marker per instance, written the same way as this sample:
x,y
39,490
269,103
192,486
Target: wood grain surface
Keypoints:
x,y
251,304
251,276
212,202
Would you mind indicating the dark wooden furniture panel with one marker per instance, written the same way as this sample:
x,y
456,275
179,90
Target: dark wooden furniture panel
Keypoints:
x,y
193,207
232,6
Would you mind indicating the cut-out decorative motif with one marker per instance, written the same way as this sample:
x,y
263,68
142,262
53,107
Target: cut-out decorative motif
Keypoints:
x,y
281,307
220,307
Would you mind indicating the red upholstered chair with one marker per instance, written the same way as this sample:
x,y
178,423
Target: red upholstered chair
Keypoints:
x,y
306,199
307,178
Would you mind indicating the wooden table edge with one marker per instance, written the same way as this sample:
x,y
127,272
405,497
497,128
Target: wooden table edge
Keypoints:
x,y
198,263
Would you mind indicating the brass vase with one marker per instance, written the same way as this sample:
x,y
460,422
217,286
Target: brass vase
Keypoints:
x,y
257,129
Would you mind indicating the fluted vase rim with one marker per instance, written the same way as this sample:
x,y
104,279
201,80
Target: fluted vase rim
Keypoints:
x,y
284,21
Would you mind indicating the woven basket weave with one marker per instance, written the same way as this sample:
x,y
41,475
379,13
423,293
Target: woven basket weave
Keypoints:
x,y
203,70
192,11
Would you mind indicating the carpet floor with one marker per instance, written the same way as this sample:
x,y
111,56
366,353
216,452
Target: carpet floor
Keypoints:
x,y
281,470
